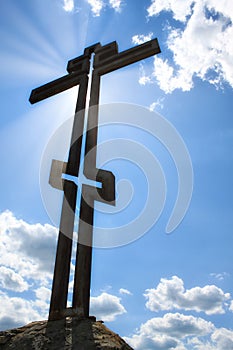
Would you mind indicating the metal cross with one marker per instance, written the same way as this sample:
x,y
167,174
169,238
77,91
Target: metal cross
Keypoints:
x,y
106,59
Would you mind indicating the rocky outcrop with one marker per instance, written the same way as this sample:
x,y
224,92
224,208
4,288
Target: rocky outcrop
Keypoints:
x,y
67,334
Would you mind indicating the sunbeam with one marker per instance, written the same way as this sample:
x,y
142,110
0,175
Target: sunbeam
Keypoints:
x,y
36,52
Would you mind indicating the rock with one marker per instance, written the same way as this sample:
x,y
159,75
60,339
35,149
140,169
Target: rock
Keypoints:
x,y
67,334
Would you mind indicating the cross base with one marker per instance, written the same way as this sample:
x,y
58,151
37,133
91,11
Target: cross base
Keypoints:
x,y
69,312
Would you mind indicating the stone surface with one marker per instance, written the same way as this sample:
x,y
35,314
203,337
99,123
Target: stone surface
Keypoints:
x,y
67,334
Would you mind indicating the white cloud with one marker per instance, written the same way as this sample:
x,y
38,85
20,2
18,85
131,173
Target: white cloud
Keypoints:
x,y
220,339
68,5
124,291
167,332
28,249
231,306
152,342
143,77
116,5
203,48
180,8
43,293
27,253
11,280
143,80
15,312
220,276
156,104
43,298
171,294
178,325
180,332
168,79
106,307
140,38
96,6
223,338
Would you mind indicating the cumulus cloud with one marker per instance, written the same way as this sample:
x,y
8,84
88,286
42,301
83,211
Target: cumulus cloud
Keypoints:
x,y
106,307
170,294
42,298
43,293
180,8
167,332
15,312
11,280
140,38
152,341
180,332
116,5
223,339
68,5
178,325
26,249
201,48
27,253
96,6
220,339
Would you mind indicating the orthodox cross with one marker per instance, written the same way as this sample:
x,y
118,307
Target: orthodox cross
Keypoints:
x,y
106,59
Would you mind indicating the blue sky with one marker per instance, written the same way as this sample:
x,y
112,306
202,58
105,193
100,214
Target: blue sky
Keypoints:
x,y
161,291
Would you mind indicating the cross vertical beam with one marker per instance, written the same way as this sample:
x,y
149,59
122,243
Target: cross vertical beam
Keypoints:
x,y
106,59
64,245
81,295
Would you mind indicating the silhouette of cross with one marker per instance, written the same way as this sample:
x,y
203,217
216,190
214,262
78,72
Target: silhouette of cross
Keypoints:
x,y
106,59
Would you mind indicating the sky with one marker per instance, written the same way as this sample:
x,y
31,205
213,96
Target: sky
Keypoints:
x,y
162,274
